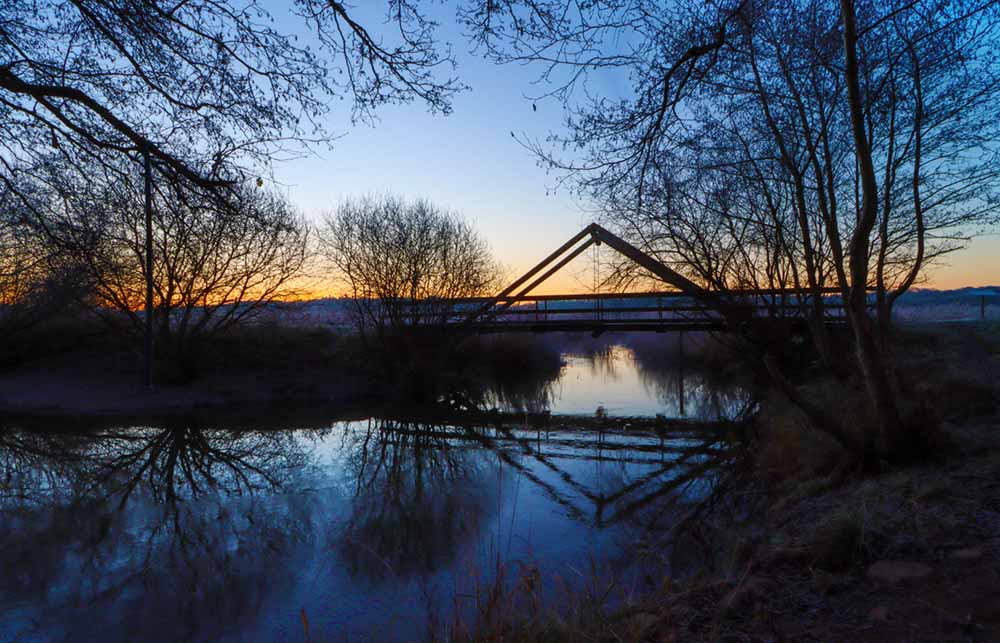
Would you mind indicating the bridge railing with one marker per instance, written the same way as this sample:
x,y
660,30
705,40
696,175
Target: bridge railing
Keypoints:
x,y
638,309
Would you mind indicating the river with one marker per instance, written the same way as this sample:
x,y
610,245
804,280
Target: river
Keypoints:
x,y
358,529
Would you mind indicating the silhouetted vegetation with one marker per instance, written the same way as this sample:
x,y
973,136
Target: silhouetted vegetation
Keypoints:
x,y
38,286
837,149
391,254
801,143
213,93
210,95
395,259
217,264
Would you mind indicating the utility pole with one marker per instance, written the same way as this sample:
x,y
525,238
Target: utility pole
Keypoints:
x,y
148,339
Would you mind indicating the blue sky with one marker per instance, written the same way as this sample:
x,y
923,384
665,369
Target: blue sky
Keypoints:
x,y
469,163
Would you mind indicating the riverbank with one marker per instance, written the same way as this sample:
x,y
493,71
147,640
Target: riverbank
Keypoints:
x,y
97,377
909,555
85,370
802,549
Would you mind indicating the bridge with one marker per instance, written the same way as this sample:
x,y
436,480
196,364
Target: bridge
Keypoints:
x,y
687,306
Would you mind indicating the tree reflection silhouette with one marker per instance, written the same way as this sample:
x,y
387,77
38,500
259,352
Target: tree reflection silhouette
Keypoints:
x,y
712,393
183,531
530,389
165,568
418,495
187,462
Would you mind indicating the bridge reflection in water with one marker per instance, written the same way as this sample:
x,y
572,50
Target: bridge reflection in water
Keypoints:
x,y
164,533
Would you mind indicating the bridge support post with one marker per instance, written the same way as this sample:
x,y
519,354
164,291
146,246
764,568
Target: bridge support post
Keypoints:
x,y
680,372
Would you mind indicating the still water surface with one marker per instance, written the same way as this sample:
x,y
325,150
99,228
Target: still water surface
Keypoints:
x,y
624,386
370,529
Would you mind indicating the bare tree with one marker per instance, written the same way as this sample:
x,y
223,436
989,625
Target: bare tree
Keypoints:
x,y
217,262
36,283
779,143
22,266
391,255
211,90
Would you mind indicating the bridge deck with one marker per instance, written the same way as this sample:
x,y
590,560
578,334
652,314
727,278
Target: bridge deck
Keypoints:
x,y
607,312
689,306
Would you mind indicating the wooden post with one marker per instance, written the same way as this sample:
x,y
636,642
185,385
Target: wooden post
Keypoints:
x,y
680,371
148,339
982,307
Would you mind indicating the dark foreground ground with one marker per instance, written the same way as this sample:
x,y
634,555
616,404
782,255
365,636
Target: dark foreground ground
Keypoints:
x,y
912,555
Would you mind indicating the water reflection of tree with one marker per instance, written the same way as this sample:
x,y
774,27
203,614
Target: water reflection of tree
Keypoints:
x,y
603,359
185,555
36,467
522,388
418,496
704,396
184,462
687,382
532,393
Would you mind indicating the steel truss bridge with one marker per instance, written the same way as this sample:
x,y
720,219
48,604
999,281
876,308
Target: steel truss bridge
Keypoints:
x,y
687,306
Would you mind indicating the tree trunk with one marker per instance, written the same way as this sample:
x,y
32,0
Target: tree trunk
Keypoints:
x,y
818,417
870,357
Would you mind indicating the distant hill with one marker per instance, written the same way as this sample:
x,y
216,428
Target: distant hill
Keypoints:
x,y
926,304
930,296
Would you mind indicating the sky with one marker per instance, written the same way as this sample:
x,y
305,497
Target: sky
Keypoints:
x,y
469,163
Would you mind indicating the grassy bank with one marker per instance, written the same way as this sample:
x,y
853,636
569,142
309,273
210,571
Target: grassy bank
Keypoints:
x,y
83,367
804,549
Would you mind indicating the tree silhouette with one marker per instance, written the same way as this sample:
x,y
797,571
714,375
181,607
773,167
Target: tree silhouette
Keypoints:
x,y
209,89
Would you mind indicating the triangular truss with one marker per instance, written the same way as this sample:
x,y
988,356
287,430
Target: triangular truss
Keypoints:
x,y
595,234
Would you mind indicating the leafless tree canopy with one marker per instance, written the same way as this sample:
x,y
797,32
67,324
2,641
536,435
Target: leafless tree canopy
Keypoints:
x,y
216,262
763,143
22,267
207,87
389,253
737,130
36,282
